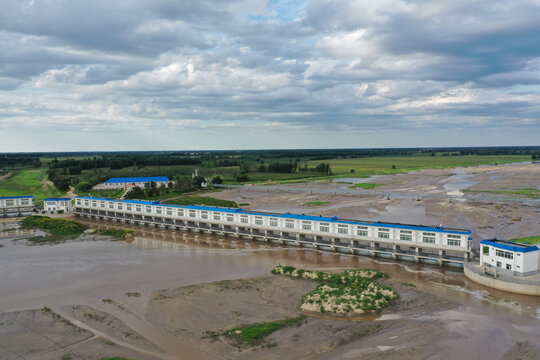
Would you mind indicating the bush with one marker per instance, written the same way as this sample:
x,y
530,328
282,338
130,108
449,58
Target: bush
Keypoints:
x,y
55,226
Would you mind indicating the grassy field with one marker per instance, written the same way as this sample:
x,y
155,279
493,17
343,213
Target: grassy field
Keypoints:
x,y
317,203
254,334
366,186
527,192
381,165
530,240
28,182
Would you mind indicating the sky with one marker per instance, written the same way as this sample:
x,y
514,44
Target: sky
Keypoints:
x,y
265,74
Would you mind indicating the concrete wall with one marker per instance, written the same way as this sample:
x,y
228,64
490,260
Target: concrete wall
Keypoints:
x,y
513,287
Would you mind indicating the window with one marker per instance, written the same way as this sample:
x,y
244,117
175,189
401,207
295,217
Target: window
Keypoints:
x,y
86,202
120,206
454,242
27,202
148,209
504,254
78,201
383,233
274,222
508,267
158,210
485,249
10,202
258,220
217,216
405,235
230,217
428,237
192,213
128,207
289,224
343,229
94,203
362,231
102,204
499,264
306,225
169,211
244,219
180,212
204,214
324,227
138,208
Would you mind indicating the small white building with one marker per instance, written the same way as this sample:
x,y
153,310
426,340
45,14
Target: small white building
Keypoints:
x,y
510,257
124,183
16,205
55,205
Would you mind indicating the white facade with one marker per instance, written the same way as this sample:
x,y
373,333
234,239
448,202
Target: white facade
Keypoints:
x,y
16,205
403,235
125,183
58,204
510,257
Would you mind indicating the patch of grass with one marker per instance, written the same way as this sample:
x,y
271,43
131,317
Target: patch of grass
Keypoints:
x,y
28,182
133,294
407,284
529,240
201,200
365,186
255,333
316,203
54,226
527,192
244,204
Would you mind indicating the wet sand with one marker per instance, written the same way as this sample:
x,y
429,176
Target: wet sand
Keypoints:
x,y
179,278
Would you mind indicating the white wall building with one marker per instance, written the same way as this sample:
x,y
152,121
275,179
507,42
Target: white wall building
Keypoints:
x,y
510,257
53,205
16,205
124,183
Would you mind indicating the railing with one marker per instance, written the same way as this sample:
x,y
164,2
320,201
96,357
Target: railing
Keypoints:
x,y
495,273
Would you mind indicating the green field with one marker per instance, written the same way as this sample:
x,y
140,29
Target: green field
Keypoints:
x,y
28,182
381,165
527,192
366,186
529,240
317,203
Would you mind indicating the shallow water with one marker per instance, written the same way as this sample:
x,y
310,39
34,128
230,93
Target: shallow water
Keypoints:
x,y
83,272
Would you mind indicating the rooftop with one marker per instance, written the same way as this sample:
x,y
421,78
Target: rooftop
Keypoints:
x,y
17,197
57,199
136,179
509,245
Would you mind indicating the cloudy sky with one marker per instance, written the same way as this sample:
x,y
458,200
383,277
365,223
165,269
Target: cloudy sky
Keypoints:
x,y
254,74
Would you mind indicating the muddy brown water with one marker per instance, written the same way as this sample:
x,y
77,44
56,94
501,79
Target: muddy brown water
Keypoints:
x,y
83,272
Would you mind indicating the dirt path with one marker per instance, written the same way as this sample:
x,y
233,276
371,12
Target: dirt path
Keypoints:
x,y
71,192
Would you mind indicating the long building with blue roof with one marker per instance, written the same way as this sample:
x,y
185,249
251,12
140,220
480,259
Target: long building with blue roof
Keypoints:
x,y
420,243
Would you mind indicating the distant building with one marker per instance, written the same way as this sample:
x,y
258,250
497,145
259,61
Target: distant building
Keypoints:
x,y
511,257
124,183
54,205
16,205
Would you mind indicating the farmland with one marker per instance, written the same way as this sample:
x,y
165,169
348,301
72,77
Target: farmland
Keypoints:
x,y
28,182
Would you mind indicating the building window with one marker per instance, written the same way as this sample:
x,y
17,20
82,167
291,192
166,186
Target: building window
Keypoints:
x,y
27,202
244,219
405,235
169,211
324,227
258,220
94,203
102,204
274,222
217,216
10,202
343,229
428,237
148,209
158,210
485,250
289,224
138,208
508,267
204,214
230,218
454,242
180,212
362,231
192,213
306,225
86,202
504,254
383,233
499,264
120,206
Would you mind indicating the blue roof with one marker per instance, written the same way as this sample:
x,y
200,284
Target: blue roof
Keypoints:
x,y
136,179
289,216
510,245
17,197
58,199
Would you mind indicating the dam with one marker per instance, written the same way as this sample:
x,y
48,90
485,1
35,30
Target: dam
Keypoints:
x,y
422,244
